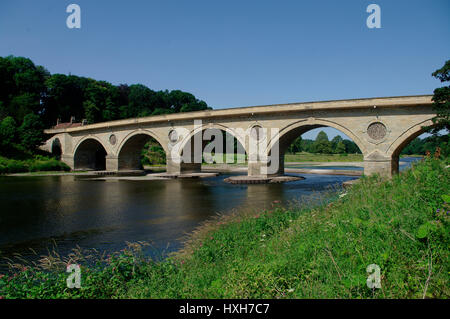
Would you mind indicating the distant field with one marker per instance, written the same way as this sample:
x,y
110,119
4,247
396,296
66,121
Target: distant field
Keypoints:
x,y
309,157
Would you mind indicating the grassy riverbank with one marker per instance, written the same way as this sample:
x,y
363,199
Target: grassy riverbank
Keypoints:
x,y
284,252
311,157
35,163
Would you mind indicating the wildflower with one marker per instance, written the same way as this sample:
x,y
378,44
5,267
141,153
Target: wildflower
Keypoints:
x,y
1,297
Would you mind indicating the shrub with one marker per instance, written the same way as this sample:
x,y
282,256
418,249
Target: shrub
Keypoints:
x,y
39,163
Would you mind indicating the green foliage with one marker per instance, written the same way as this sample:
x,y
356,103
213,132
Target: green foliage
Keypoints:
x,y
8,133
425,230
160,111
153,154
351,147
296,146
428,144
36,163
322,144
441,99
31,131
340,148
22,87
286,252
315,157
29,89
48,165
65,96
140,98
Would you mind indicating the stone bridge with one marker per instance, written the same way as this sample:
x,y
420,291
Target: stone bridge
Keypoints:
x,y
381,127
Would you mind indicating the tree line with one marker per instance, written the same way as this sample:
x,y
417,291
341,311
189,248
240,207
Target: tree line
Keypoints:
x,y
420,146
32,99
323,145
338,145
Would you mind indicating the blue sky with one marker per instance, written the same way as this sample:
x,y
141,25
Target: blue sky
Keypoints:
x,y
238,53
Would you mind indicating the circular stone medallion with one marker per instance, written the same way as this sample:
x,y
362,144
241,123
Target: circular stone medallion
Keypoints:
x,y
112,139
376,131
173,136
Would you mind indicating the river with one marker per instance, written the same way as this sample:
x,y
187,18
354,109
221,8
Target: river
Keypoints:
x,y
37,212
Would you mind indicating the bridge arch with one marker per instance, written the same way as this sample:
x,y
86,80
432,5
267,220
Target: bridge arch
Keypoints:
x,y
192,133
185,151
56,148
290,132
130,149
90,154
406,137
286,136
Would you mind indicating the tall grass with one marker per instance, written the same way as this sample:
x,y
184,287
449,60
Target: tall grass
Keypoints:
x,y
35,164
288,252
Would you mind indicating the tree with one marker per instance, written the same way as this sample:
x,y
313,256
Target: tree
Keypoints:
x,y
340,148
8,132
334,143
31,132
160,111
178,99
30,95
22,88
195,106
351,147
3,110
91,112
140,101
441,99
296,146
307,145
322,144
23,104
65,97
430,143
100,102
